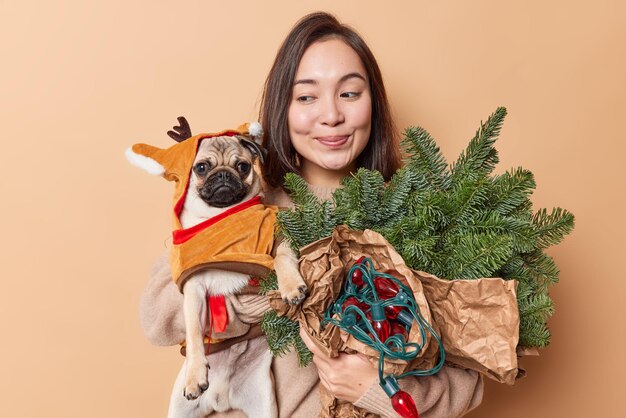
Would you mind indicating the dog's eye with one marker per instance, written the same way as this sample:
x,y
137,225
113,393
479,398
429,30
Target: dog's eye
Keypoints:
x,y
201,168
243,167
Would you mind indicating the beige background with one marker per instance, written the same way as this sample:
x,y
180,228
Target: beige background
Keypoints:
x,y
82,80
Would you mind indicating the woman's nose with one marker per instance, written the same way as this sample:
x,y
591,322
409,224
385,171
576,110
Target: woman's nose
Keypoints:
x,y
330,112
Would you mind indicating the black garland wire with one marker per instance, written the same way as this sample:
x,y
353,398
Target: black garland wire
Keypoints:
x,y
354,321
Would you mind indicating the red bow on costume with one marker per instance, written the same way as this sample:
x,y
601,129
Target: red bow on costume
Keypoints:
x,y
218,316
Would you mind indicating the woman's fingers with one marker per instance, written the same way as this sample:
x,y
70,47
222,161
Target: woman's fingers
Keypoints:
x,y
324,381
320,359
347,376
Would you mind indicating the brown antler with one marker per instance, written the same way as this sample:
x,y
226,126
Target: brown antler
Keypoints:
x,y
182,131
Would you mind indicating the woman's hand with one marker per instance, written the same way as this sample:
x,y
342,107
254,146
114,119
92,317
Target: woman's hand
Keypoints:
x,y
347,377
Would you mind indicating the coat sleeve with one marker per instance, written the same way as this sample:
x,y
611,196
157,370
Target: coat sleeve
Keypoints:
x,y
161,307
450,393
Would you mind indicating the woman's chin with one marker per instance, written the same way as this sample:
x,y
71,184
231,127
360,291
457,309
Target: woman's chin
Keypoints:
x,y
337,165
328,168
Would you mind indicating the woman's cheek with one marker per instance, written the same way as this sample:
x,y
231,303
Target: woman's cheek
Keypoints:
x,y
363,116
361,138
299,121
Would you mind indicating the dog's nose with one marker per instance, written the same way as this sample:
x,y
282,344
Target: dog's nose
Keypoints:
x,y
223,175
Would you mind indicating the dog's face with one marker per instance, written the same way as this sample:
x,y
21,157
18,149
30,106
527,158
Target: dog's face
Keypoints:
x,y
223,172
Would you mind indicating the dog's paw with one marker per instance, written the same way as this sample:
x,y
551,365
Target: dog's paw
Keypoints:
x,y
295,296
196,382
194,389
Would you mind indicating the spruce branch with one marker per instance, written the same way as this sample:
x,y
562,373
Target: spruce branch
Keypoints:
x,y
510,190
523,235
429,208
418,251
268,284
424,157
533,333
371,187
476,256
542,268
298,190
395,195
463,204
551,228
525,290
523,211
537,307
305,356
480,157
294,228
281,332
521,231
310,220
358,202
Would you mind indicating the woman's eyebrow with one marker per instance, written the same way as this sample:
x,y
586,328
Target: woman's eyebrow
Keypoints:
x,y
305,81
341,80
352,75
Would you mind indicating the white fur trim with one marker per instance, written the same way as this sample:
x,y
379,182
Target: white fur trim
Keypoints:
x,y
145,163
255,129
221,282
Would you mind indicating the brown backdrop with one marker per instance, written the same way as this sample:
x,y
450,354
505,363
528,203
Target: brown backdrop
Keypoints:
x,y
83,80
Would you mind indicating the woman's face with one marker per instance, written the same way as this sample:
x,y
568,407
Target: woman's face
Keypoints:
x,y
330,111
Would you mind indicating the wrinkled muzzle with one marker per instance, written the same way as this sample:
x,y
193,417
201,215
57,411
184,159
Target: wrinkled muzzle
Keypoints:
x,y
223,188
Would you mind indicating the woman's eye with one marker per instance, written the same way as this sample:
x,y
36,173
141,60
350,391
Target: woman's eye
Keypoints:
x,y
304,99
243,167
201,168
350,94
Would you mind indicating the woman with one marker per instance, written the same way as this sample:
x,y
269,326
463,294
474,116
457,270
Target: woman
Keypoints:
x,y
325,114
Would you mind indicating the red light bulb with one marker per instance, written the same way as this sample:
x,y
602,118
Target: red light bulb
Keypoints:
x,y
377,317
357,277
392,312
357,274
399,329
382,328
404,405
401,401
385,287
352,301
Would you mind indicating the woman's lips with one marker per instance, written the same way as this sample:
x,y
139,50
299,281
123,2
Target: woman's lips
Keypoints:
x,y
333,141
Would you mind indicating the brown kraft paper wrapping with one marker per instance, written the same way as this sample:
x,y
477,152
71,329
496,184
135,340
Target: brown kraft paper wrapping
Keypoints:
x,y
478,323
477,320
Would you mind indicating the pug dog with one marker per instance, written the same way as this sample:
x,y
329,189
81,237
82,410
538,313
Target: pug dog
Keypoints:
x,y
239,377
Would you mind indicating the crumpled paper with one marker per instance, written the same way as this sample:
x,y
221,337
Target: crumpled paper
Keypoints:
x,y
477,320
478,323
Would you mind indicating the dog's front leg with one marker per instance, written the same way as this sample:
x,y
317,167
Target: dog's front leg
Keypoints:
x,y
194,307
290,283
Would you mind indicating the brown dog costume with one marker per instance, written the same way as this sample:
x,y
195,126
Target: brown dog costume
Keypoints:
x,y
239,240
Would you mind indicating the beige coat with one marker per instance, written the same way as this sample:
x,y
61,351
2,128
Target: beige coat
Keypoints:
x,y
450,393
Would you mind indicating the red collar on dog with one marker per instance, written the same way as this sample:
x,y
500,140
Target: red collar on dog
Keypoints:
x,y
182,235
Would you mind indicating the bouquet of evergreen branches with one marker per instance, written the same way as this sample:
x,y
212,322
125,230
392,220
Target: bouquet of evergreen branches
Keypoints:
x,y
455,221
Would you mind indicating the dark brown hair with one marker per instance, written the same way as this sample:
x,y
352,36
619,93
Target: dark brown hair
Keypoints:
x,y
381,153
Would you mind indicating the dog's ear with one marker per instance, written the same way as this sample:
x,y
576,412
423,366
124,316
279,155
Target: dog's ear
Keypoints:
x,y
253,147
253,134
